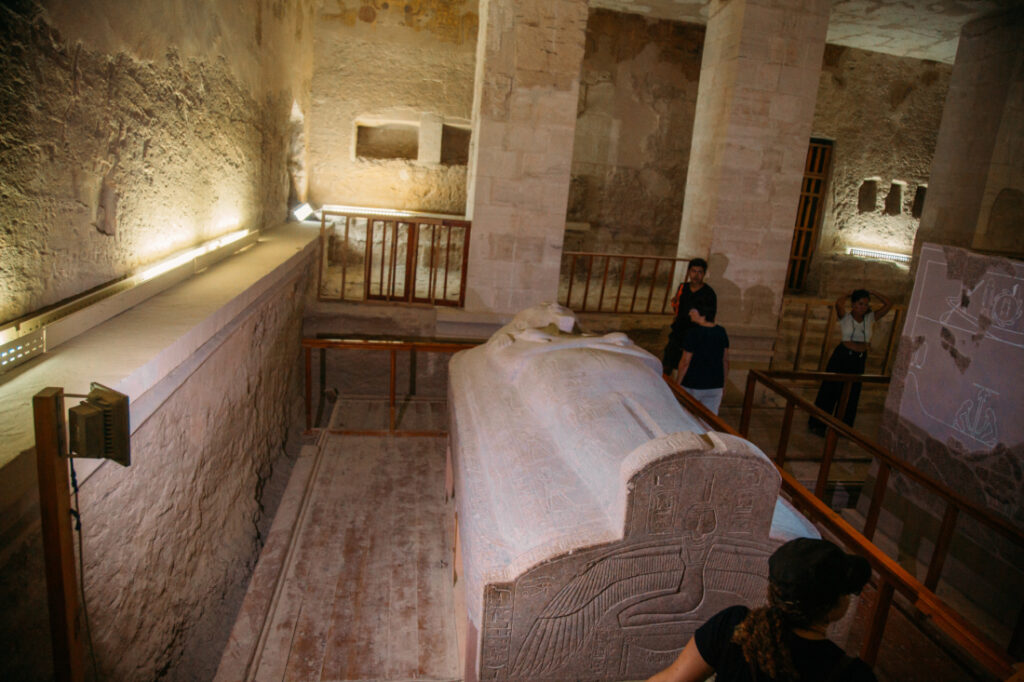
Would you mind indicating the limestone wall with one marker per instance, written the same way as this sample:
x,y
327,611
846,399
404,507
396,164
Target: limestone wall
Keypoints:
x,y
171,540
638,91
131,132
883,114
408,64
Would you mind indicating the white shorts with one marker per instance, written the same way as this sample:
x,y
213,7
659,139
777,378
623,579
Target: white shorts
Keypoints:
x,y
710,398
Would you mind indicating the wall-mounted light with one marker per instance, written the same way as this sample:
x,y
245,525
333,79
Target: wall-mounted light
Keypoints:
x,y
24,339
389,212
302,211
182,258
879,255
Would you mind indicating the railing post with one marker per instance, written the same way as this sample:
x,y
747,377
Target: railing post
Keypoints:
x,y
55,508
586,287
881,483
825,339
844,399
941,546
803,336
604,283
309,387
831,439
636,284
748,404
391,391
650,292
622,278
879,614
787,426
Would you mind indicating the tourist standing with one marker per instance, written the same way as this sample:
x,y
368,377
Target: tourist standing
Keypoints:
x,y
705,362
691,292
850,355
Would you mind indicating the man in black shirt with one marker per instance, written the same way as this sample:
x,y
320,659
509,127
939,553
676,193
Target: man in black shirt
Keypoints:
x,y
690,292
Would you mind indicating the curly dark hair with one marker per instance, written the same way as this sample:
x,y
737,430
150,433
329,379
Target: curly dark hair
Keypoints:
x,y
763,634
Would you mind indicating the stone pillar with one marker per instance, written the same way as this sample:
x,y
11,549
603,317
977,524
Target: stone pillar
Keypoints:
x,y
524,118
976,189
755,107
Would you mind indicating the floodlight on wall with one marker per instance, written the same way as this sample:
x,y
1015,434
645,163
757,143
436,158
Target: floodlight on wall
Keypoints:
x,y
99,426
879,255
302,211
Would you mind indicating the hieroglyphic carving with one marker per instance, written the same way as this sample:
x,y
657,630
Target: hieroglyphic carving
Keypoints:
x,y
598,529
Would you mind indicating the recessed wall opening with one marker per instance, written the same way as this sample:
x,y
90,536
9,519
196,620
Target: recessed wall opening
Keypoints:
x,y
894,199
388,141
918,207
455,145
867,196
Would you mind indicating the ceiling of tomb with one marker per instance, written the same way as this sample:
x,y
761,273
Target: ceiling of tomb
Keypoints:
x,y
923,29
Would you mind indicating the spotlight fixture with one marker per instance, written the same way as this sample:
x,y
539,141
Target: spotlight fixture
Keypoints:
x,y
880,255
302,211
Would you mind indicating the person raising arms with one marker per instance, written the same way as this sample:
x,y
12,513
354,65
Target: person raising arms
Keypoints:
x,y
850,356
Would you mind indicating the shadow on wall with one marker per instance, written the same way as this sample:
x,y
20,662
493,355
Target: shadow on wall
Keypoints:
x,y
756,306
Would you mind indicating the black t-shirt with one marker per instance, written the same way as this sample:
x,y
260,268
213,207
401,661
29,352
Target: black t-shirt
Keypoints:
x,y
688,299
708,344
814,659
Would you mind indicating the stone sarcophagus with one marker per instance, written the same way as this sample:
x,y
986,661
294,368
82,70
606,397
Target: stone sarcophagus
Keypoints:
x,y
599,523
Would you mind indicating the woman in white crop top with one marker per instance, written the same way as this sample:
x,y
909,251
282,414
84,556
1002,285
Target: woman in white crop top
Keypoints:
x,y
850,355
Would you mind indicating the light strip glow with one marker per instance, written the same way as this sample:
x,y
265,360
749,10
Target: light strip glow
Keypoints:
x,y
881,255
364,210
182,258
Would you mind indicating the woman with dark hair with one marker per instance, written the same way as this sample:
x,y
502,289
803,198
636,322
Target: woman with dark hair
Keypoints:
x,y
809,586
850,355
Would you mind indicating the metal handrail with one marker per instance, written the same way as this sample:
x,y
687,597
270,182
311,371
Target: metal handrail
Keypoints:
x,y
892,575
387,284
898,311
648,284
393,345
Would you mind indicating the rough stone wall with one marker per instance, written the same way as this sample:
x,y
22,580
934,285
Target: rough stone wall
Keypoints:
x,y
122,146
170,541
883,114
390,62
638,92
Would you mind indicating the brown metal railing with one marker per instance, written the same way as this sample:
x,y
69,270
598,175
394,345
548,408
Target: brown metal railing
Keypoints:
x,y
368,256
819,310
391,344
892,576
618,283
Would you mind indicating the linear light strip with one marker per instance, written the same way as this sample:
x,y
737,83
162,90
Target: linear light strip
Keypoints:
x,y
881,255
26,338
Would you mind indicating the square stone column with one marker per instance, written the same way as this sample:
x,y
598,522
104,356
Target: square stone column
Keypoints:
x,y
524,118
976,189
755,108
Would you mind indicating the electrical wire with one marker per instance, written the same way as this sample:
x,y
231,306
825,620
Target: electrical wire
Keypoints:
x,y
76,515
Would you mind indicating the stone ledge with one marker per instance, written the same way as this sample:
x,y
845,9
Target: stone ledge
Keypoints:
x,y
145,352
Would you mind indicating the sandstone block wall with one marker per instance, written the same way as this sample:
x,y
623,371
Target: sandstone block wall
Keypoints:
x,y
524,116
170,541
130,134
405,62
638,91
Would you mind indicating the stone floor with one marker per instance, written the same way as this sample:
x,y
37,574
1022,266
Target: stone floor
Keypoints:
x,y
353,606
361,586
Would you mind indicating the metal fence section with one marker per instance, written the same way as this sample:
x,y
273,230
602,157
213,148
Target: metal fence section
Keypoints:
x,y
393,257
619,283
